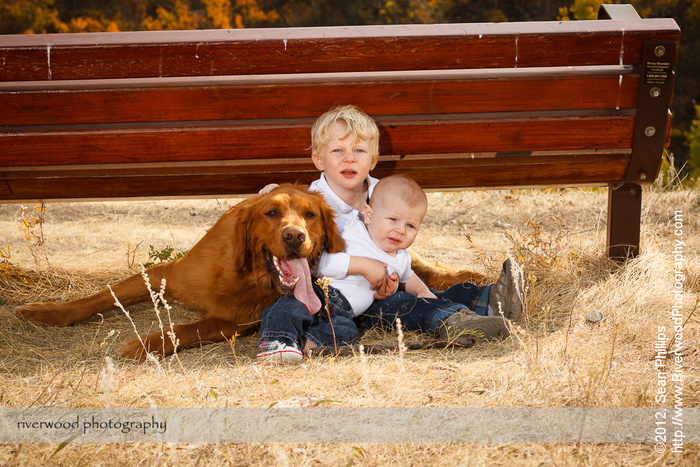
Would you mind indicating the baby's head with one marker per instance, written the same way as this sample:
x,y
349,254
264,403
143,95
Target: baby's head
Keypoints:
x,y
395,212
353,123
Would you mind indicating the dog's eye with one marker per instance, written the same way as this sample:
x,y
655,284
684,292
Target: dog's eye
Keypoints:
x,y
272,213
310,214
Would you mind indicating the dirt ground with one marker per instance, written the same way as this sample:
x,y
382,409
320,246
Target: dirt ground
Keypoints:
x,y
557,356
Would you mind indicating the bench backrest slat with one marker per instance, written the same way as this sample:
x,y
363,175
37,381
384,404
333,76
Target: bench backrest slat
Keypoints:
x,y
234,98
207,179
323,50
167,142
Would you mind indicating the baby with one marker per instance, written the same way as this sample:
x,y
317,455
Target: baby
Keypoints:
x,y
390,225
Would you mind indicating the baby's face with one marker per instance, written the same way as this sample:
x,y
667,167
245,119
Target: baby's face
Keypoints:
x,y
393,225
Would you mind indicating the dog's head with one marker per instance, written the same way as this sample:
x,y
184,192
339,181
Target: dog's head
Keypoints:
x,y
281,235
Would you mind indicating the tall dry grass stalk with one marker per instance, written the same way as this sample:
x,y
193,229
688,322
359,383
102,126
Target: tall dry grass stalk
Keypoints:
x,y
556,356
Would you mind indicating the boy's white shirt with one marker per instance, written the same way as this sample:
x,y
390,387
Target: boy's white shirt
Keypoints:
x,y
358,243
335,266
344,213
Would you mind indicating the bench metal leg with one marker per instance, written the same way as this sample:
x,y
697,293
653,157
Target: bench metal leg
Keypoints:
x,y
624,221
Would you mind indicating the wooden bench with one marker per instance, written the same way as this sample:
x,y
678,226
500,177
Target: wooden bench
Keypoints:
x,y
224,112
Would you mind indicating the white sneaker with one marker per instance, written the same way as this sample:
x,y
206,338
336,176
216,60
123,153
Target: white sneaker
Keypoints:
x,y
279,352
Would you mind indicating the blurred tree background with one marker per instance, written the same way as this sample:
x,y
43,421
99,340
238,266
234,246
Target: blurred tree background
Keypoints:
x,y
61,16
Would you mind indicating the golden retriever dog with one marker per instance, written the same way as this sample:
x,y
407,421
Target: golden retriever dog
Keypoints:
x,y
260,249
257,251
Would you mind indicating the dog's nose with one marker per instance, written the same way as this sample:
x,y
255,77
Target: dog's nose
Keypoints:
x,y
293,236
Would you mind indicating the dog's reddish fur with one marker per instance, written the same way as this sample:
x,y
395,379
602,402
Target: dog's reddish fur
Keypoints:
x,y
223,276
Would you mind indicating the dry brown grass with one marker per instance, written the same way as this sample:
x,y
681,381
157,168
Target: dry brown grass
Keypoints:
x,y
556,359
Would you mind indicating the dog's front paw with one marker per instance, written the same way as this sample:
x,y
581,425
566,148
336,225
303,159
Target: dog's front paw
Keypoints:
x,y
133,349
44,313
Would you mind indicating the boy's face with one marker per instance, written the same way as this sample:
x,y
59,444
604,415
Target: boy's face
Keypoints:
x,y
345,162
393,225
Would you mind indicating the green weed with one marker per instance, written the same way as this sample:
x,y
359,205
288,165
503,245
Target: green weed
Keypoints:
x,y
165,255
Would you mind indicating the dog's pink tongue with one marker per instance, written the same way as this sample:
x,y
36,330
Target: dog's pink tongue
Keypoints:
x,y
303,290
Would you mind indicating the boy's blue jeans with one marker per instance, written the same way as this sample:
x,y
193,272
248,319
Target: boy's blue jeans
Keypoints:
x,y
289,321
424,314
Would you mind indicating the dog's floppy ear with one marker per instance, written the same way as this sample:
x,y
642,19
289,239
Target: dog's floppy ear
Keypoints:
x,y
334,243
240,254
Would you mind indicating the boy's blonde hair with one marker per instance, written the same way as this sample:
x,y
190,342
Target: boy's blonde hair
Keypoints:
x,y
357,124
403,187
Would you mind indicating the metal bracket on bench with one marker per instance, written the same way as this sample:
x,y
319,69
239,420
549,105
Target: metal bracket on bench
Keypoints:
x,y
652,121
